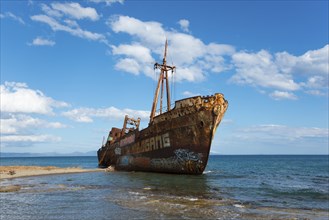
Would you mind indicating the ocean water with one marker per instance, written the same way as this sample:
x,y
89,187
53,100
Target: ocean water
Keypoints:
x,y
232,187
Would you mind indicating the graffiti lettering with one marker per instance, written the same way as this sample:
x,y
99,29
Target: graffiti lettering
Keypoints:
x,y
154,143
146,145
124,161
117,151
183,160
128,140
166,140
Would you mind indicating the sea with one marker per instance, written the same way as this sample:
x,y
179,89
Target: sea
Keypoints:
x,y
232,187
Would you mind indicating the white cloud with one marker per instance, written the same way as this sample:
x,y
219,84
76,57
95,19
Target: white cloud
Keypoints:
x,y
16,125
275,139
317,85
30,138
75,31
314,62
136,51
108,2
215,64
278,74
184,25
220,49
285,62
192,74
128,65
138,58
17,102
190,94
39,41
50,11
151,34
18,98
259,69
279,95
273,133
64,17
20,123
317,93
311,68
75,10
71,23
283,71
185,49
87,114
190,55
12,16
317,82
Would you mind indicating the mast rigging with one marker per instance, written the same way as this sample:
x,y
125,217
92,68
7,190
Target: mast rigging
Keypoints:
x,y
164,68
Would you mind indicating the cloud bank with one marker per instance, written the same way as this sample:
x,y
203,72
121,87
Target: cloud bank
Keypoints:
x,y
19,98
111,113
19,107
23,108
65,16
281,74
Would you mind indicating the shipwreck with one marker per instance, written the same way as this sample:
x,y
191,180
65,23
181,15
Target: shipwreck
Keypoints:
x,y
177,140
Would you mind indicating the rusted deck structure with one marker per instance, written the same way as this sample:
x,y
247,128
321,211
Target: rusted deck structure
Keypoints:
x,y
176,141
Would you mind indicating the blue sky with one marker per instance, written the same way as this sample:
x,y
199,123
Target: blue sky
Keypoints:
x,y
70,70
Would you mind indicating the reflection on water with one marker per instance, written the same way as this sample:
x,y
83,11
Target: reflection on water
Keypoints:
x,y
180,185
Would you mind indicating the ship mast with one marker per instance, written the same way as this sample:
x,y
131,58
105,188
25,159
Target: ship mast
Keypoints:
x,y
164,68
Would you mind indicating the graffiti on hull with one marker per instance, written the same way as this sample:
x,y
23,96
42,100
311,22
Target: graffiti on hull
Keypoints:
x,y
183,160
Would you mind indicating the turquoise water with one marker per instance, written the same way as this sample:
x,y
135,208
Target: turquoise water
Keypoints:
x,y
232,187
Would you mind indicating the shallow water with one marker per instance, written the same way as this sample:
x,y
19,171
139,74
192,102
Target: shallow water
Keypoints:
x,y
232,187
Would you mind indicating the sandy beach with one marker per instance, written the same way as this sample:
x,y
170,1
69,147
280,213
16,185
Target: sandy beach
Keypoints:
x,y
8,172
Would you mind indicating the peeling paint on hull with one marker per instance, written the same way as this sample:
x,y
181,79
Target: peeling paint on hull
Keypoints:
x,y
177,141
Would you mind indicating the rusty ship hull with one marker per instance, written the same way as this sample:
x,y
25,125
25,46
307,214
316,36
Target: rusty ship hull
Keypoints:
x,y
177,141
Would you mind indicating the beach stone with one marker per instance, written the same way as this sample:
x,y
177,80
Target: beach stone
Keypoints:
x,y
14,188
109,169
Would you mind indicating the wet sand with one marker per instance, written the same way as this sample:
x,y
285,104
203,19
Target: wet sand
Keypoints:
x,y
9,172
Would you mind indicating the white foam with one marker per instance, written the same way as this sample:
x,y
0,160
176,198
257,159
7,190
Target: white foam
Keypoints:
x,y
238,206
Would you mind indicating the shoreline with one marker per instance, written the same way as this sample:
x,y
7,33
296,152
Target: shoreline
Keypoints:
x,y
10,172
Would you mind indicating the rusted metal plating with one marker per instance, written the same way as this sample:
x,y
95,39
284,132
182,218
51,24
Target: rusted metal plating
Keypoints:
x,y
176,141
